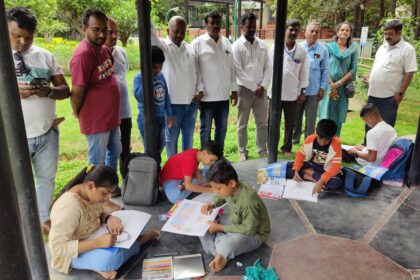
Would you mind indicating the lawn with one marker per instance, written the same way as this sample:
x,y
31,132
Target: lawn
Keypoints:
x,y
73,149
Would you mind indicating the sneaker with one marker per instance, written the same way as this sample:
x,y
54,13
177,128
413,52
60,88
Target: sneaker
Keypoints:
x,y
263,154
243,157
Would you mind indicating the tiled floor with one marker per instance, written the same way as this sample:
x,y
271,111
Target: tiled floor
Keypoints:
x,y
314,240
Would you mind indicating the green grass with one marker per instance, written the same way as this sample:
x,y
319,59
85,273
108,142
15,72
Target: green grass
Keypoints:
x,y
73,148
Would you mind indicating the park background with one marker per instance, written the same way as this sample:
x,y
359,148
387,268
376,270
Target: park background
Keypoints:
x,y
60,31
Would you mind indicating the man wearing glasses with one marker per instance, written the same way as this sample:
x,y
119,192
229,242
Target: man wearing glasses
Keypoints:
x,y
95,94
35,70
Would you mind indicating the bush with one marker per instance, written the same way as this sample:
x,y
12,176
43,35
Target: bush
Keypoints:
x,y
63,49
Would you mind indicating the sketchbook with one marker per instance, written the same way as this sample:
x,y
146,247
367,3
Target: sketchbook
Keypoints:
x,y
133,222
300,190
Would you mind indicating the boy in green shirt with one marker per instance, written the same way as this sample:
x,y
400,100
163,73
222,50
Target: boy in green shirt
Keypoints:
x,y
245,228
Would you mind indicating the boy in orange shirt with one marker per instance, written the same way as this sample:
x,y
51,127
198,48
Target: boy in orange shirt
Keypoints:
x,y
319,158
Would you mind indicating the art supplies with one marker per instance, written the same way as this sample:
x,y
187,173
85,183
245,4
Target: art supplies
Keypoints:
x,y
300,190
173,208
187,219
272,191
173,267
133,222
275,170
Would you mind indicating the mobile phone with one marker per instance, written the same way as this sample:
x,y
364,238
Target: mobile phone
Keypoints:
x,y
39,82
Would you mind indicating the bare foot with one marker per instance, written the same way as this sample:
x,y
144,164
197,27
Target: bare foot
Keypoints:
x,y
218,263
110,207
149,236
108,274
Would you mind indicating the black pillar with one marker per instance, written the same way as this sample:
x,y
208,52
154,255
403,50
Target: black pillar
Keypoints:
x,y
261,13
238,19
227,21
414,173
19,176
275,114
143,21
186,11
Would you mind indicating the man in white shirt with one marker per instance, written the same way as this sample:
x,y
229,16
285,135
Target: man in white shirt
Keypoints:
x,y
120,69
180,73
35,69
253,78
295,81
378,139
216,79
392,71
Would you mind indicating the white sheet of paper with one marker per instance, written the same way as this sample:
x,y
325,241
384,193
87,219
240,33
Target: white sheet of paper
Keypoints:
x,y
187,219
133,222
204,197
300,190
271,191
346,147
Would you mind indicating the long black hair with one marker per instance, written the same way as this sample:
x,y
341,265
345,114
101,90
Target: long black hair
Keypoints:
x,y
101,175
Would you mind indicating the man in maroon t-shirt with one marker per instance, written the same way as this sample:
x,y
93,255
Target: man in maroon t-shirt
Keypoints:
x,y
95,95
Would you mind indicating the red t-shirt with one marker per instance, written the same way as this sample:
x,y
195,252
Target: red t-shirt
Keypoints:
x,y
90,68
180,165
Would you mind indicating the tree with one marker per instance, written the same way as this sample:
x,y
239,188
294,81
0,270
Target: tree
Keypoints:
x,y
125,14
45,13
71,11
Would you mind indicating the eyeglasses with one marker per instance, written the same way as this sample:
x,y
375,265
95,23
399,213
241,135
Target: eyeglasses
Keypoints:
x,y
21,68
98,31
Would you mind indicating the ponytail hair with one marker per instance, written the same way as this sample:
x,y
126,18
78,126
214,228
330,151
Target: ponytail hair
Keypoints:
x,y
102,175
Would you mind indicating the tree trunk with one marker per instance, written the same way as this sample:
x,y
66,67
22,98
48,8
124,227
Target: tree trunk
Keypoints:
x,y
124,38
417,13
392,6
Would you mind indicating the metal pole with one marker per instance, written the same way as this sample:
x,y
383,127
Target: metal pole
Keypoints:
x,y
17,145
238,19
227,21
143,21
414,172
186,11
261,13
235,18
14,263
275,113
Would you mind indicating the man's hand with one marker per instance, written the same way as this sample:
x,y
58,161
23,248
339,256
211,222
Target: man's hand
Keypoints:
x,y
43,91
359,147
398,98
207,209
114,225
215,227
259,92
26,90
198,97
169,121
234,98
301,98
297,177
320,95
318,187
352,151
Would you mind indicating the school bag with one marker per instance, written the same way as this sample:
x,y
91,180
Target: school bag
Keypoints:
x,y
357,184
398,159
140,187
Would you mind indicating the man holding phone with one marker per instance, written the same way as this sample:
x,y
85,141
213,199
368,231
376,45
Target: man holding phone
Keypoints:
x,y
35,69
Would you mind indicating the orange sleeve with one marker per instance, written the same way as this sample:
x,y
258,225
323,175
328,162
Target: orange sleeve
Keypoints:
x,y
335,162
300,155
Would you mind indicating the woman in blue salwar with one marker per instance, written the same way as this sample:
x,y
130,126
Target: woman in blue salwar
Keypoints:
x,y
343,66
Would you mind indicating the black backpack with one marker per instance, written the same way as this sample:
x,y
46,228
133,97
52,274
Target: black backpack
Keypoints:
x,y
140,187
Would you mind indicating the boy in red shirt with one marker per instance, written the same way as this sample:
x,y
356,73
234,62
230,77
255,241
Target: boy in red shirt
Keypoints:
x,y
319,158
180,174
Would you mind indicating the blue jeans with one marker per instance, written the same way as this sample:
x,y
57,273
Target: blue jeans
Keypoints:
x,y
44,157
184,121
106,259
105,148
170,187
219,111
159,134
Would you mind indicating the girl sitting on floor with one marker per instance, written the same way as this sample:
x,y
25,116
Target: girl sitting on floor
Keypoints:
x,y
77,213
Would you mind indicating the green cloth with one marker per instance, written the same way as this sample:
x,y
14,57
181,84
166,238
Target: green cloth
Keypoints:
x,y
248,214
258,272
340,64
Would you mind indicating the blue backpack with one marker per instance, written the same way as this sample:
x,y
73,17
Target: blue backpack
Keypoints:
x,y
357,184
398,167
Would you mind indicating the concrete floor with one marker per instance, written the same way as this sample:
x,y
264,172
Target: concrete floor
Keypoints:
x,y
339,237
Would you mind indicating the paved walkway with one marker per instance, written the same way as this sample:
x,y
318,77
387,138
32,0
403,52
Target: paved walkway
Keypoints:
x,y
339,237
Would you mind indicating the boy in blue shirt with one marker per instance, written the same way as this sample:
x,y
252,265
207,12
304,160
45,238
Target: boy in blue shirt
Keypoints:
x,y
163,110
